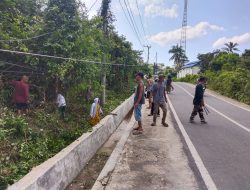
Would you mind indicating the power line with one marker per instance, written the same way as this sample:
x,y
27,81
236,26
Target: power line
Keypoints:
x,y
63,58
143,28
92,6
133,25
26,39
13,64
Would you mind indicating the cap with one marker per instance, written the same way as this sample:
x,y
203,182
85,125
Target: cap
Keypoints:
x,y
140,74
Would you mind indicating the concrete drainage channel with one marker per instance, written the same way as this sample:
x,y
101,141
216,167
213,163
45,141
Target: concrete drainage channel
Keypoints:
x,y
95,174
59,171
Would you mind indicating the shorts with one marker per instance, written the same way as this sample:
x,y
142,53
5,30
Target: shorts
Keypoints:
x,y
137,112
21,106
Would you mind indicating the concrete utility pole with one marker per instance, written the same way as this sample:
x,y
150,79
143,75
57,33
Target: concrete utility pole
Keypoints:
x,y
104,15
155,64
148,47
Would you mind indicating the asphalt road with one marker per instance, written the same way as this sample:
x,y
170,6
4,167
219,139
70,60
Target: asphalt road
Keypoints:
x,y
224,143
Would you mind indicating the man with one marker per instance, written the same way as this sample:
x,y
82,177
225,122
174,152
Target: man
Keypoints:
x,y
169,85
160,100
139,99
61,102
21,94
199,101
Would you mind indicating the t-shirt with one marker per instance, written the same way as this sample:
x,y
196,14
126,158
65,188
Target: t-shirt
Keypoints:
x,y
21,93
142,101
199,92
60,100
168,82
159,90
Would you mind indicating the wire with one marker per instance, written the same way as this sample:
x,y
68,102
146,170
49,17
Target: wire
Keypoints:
x,y
143,28
13,64
23,72
92,6
133,25
63,58
26,39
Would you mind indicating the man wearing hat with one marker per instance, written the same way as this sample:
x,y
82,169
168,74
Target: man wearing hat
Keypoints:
x,y
139,99
160,100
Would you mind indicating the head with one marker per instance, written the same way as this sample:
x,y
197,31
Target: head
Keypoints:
x,y
161,78
139,76
96,100
202,80
25,79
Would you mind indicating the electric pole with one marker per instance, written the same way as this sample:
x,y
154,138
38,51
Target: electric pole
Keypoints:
x,y
104,14
155,64
148,47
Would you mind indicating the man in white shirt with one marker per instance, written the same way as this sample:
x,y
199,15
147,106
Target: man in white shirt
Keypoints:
x,y
61,105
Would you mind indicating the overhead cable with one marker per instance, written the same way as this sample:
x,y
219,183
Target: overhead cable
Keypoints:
x,y
26,39
63,58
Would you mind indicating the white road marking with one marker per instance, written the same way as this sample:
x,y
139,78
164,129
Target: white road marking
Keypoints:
x,y
198,161
215,110
220,98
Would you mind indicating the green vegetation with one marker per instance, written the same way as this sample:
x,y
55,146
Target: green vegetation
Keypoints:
x,y
227,72
57,28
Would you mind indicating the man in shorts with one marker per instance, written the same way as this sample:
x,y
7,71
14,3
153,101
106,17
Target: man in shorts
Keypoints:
x,y
21,94
139,100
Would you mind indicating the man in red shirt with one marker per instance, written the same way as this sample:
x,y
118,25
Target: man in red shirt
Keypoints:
x,y
21,94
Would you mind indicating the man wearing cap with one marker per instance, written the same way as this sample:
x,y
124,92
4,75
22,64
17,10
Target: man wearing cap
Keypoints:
x,y
139,99
160,100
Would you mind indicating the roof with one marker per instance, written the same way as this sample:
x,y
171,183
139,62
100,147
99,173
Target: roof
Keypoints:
x,y
191,64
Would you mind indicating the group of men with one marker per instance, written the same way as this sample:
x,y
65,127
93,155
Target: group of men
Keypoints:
x,y
158,91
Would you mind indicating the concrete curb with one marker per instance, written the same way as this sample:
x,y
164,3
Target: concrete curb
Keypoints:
x,y
59,171
109,167
208,181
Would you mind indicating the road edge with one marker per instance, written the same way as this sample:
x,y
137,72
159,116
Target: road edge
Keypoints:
x,y
196,162
104,177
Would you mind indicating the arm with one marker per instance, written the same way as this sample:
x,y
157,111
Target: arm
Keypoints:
x,y
140,94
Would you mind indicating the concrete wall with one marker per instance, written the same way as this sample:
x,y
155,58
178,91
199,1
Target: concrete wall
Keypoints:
x,y
59,171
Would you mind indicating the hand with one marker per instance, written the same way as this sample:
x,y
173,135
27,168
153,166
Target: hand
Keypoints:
x,y
136,105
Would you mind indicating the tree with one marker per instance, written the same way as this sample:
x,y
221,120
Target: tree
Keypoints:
x,y
179,57
205,60
231,47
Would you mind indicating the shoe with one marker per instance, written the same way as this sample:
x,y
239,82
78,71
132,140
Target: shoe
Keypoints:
x,y
191,121
164,124
153,124
150,115
203,122
137,132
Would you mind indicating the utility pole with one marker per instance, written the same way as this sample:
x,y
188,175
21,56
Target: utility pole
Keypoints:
x,y
148,47
104,14
155,64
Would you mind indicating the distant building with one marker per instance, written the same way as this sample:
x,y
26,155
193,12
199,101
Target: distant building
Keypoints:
x,y
191,68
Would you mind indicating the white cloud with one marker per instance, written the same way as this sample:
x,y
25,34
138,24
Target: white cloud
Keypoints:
x,y
193,32
241,39
158,10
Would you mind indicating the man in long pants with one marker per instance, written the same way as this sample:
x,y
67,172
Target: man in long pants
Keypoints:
x,y
160,100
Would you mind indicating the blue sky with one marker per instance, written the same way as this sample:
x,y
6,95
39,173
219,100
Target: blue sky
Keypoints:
x,y
210,24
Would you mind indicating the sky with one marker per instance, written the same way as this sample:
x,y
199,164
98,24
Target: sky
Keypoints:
x,y
211,24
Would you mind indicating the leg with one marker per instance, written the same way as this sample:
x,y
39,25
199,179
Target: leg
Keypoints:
x,y
164,109
194,113
201,115
156,108
137,114
152,109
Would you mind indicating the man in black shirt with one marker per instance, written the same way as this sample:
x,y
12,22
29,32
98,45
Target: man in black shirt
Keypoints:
x,y
199,101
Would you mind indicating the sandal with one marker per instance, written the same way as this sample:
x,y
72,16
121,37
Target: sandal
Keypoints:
x,y
137,132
